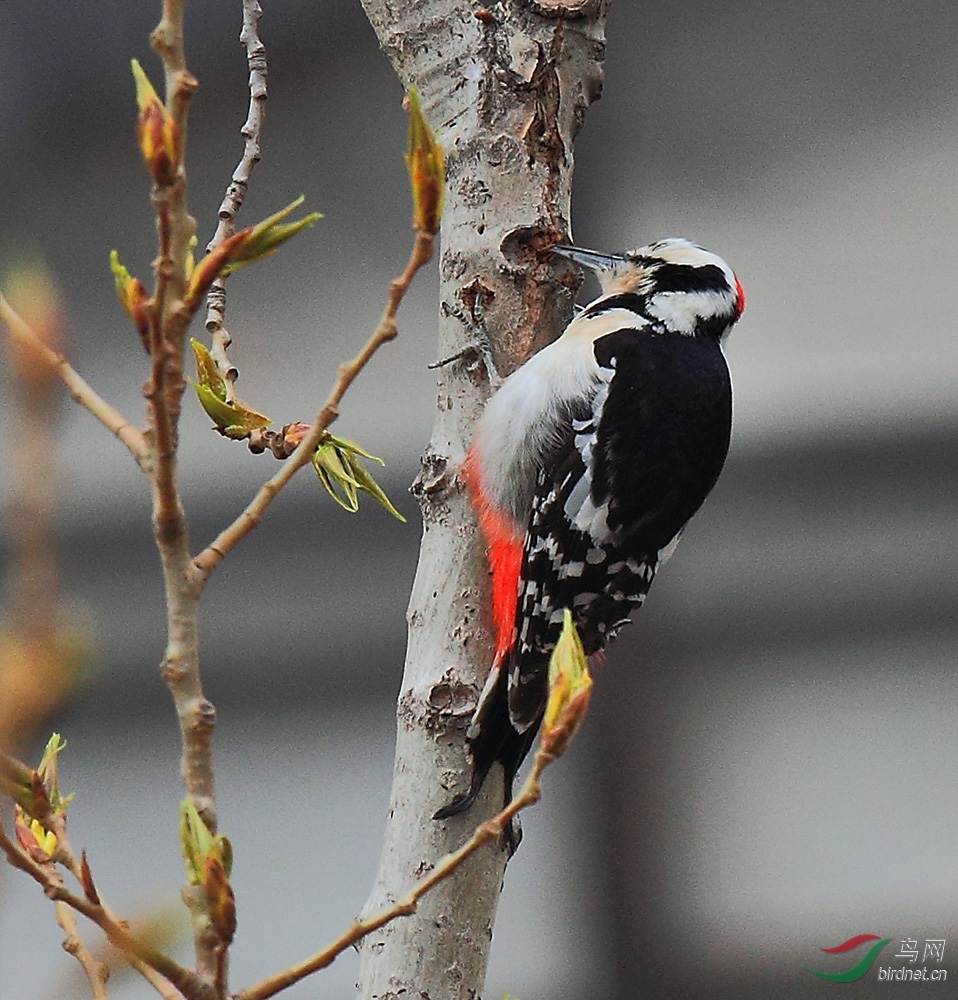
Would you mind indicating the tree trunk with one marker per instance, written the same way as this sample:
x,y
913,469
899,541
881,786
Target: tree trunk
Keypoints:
x,y
506,89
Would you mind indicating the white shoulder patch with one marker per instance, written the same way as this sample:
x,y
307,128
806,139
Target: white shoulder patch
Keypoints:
x,y
519,425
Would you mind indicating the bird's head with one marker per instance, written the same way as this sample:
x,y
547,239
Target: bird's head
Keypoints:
x,y
686,289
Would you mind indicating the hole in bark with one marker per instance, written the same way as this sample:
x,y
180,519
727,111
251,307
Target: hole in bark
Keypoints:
x,y
529,245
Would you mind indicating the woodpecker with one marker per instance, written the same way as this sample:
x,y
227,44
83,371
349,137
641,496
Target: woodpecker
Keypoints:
x,y
585,467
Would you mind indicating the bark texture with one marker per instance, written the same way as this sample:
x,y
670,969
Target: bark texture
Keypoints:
x,y
506,88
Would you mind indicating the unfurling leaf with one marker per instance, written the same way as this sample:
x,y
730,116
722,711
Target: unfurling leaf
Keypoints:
x,y
189,262
427,173
38,802
370,486
207,372
208,861
334,473
195,840
232,418
570,687
338,463
48,774
203,274
198,844
16,780
38,842
156,132
265,237
245,247
132,296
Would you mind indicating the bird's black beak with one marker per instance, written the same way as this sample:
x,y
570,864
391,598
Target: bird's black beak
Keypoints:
x,y
591,259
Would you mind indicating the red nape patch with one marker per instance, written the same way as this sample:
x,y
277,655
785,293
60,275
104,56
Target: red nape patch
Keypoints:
x,y
739,299
504,555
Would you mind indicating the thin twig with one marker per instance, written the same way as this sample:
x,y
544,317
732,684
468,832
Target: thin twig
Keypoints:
x,y
55,821
168,322
162,390
106,953
97,972
168,314
187,982
386,330
167,42
238,186
169,317
67,856
77,386
137,444
486,832
163,987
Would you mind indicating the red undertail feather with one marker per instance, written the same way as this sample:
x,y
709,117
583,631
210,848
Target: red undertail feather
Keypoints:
x,y
504,555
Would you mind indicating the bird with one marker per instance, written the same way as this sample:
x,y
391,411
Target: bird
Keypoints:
x,y
586,465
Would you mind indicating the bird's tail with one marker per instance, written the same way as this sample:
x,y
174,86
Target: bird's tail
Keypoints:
x,y
492,738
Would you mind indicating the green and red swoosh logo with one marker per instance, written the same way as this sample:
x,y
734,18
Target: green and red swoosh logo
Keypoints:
x,y
856,971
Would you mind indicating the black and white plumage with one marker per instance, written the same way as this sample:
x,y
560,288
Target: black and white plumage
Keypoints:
x,y
587,464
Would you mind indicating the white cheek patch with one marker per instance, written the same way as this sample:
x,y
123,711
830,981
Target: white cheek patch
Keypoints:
x,y
681,312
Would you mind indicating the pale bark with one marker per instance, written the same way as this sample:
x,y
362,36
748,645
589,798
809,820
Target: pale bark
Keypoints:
x,y
506,88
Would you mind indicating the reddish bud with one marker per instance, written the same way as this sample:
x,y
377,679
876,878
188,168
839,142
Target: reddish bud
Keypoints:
x,y
211,266
570,688
38,842
156,131
86,880
219,895
245,247
132,296
427,174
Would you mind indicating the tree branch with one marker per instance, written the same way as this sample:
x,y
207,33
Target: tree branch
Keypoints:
x,y
386,330
97,972
79,389
485,833
236,191
188,983
169,318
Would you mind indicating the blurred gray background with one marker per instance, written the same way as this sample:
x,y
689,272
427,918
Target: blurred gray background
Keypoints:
x,y
770,763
